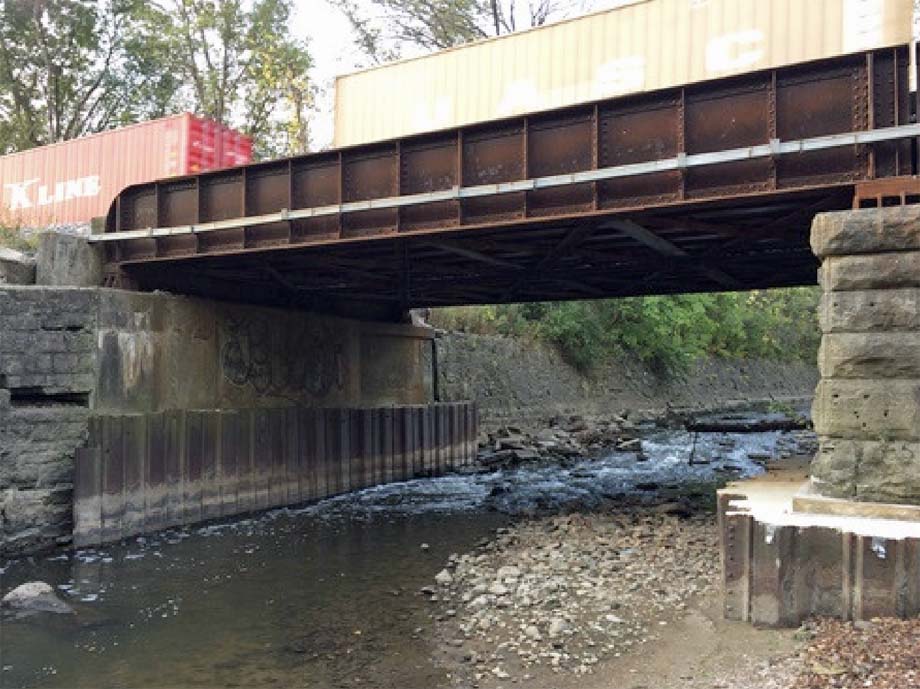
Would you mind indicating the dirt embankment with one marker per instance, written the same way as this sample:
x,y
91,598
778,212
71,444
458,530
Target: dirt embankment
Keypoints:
x,y
516,380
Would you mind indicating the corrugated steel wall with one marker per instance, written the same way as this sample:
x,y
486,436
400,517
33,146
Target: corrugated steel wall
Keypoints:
x,y
145,472
641,47
75,181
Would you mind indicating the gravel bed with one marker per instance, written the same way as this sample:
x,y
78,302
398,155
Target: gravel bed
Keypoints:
x,y
566,592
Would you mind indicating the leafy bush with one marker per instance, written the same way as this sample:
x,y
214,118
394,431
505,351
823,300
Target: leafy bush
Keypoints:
x,y
667,333
12,238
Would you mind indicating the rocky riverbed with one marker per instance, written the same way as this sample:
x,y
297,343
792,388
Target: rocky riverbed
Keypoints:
x,y
566,592
586,579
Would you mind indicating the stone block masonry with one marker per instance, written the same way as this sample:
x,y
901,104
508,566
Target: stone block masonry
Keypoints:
x,y
867,406
47,355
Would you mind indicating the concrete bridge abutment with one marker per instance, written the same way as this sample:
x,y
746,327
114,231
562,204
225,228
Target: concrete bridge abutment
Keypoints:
x,y
124,412
844,539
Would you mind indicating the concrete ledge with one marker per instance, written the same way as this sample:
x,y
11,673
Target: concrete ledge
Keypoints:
x,y
841,559
807,501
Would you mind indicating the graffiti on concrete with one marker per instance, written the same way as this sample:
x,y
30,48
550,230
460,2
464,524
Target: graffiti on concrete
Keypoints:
x,y
290,359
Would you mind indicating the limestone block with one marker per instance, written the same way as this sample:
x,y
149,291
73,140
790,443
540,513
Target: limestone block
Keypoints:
x,y
833,468
870,310
866,231
868,409
868,470
896,270
877,355
68,261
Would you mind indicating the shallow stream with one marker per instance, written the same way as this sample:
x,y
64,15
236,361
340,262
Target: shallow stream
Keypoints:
x,y
322,596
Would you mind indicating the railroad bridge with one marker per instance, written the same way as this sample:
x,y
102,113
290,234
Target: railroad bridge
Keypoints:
x,y
699,188
292,375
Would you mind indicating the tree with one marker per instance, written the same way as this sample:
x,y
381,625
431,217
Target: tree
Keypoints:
x,y
384,28
73,67
239,65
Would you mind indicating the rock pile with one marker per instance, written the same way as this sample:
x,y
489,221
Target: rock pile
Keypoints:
x,y
562,438
867,406
565,592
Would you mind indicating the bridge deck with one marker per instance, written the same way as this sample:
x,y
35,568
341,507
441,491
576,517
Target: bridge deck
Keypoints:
x,y
709,187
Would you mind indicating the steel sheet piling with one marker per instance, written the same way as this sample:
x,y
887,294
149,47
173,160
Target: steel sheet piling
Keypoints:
x,y
146,472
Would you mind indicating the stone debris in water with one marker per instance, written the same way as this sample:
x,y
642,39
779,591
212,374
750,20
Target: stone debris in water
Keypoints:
x,y
35,596
565,592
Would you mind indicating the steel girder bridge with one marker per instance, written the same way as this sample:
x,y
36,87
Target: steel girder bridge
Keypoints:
x,y
709,187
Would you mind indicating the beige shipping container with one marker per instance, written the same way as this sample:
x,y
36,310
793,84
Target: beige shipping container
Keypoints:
x,y
643,46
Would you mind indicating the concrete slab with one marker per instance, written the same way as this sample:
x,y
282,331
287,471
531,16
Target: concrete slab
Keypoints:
x,y
788,554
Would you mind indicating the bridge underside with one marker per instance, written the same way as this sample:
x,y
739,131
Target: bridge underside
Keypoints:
x,y
753,243
710,187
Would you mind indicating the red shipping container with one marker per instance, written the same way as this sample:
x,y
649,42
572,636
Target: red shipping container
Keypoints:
x,y
75,181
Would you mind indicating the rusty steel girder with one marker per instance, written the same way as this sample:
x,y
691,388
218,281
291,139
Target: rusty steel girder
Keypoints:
x,y
327,200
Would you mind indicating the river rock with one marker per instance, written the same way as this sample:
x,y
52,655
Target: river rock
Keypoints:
x,y
443,578
557,627
35,596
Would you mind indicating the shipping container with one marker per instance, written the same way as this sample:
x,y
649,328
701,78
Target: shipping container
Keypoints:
x,y
74,181
643,46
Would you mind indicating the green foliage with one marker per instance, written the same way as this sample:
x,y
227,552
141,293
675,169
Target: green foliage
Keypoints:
x,y
75,67
667,333
12,238
238,64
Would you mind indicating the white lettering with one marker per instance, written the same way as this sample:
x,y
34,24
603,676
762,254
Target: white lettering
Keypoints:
x,y
620,76
22,197
73,189
91,186
19,195
734,52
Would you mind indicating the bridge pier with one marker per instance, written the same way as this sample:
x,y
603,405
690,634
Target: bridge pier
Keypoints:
x,y
124,412
845,542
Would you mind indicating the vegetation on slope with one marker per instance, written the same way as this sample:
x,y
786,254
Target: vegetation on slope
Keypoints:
x,y
667,333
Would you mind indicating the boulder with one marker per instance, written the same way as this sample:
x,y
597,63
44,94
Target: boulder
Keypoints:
x,y
35,596
867,231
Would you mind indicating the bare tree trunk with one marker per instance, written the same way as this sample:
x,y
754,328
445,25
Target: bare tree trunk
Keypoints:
x,y
495,18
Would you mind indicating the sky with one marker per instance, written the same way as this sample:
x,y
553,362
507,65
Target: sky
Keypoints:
x,y
333,52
